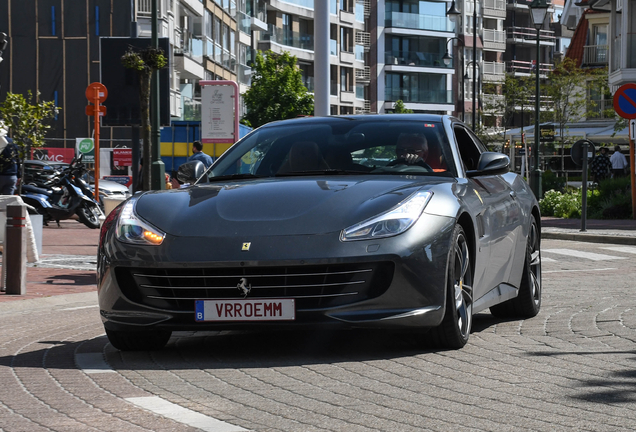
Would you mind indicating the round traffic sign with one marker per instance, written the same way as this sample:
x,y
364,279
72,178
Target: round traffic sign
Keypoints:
x,y
96,89
577,152
625,101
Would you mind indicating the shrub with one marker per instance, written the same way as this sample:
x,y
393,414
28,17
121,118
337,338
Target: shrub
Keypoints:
x,y
612,201
563,205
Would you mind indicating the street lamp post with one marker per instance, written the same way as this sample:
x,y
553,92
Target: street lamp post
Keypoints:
x,y
452,13
447,58
539,10
478,83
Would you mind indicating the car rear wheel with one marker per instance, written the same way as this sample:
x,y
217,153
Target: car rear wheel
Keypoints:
x,y
455,328
138,340
528,302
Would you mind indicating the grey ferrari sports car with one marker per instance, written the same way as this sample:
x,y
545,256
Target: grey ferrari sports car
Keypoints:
x,y
382,221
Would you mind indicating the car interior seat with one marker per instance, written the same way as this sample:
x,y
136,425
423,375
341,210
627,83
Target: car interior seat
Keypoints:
x,y
304,156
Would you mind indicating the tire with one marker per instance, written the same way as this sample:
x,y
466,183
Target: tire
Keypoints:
x,y
528,302
455,328
89,214
138,340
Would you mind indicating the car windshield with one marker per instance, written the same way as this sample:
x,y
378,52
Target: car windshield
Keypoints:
x,y
339,145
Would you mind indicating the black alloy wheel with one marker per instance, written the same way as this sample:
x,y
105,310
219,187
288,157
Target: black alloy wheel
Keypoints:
x,y
455,328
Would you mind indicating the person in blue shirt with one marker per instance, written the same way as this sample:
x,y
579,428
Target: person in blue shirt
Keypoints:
x,y
8,167
197,150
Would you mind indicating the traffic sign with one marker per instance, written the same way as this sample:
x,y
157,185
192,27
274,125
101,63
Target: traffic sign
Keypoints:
x,y
625,101
632,129
578,151
90,110
102,93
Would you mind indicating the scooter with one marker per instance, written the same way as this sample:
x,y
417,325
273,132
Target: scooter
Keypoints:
x,y
60,199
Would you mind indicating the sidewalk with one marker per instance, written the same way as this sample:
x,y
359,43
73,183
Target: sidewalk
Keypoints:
x,y
69,251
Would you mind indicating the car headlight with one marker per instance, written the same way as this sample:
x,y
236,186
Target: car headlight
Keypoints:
x,y
391,223
131,229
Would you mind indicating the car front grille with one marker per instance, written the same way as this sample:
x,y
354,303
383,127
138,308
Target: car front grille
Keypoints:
x,y
312,286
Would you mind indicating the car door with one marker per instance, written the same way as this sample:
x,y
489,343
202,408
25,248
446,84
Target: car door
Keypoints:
x,y
497,216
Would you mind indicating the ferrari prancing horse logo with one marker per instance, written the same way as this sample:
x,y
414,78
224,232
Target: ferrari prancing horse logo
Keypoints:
x,y
244,287
246,246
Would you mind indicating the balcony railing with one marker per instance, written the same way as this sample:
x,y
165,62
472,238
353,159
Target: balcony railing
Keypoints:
x,y
419,21
494,68
530,34
528,67
292,39
309,4
495,36
600,109
418,96
415,58
595,54
192,47
495,4
363,75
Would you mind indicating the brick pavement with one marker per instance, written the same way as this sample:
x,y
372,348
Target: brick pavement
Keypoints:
x,y
71,238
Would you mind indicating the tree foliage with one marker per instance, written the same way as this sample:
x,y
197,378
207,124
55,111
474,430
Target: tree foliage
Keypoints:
x,y
27,122
399,108
277,91
145,62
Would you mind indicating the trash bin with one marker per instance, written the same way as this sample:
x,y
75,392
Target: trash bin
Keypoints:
x,y
111,202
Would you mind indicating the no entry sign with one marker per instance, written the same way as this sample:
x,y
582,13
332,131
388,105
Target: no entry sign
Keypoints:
x,y
625,101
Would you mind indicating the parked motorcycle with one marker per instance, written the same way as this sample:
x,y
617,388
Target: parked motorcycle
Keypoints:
x,y
60,199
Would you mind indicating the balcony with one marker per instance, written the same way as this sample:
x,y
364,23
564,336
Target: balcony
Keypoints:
x,y
347,17
528,35
595,55
364,39
419,22
418,96
495,40
494,71
347,57
284,37
527,68
347,96
363,75
415,58
495,8
308,82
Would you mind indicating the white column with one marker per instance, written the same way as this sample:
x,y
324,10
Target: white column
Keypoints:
x,y
321,58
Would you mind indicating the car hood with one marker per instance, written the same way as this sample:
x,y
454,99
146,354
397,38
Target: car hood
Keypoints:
x,y
276,206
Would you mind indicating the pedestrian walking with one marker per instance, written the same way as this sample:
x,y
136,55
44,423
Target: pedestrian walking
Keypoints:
x,y
197,150
9,158
619,163
601,166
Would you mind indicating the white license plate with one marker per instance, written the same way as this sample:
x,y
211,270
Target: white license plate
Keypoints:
x,y
245,310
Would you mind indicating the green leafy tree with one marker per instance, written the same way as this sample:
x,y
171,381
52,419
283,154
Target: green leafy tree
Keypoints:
x,y
145,62
399,108
277,91
27,122
512,96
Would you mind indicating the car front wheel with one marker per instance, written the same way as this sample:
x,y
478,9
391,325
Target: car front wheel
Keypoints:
x,y
455,328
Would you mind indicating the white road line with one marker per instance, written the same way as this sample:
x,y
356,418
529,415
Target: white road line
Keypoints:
x,y
80,307
623,249
579,271
183,415
92,363
579,254
544,260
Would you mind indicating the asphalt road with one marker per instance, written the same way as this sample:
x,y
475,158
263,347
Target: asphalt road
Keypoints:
x,y
573,367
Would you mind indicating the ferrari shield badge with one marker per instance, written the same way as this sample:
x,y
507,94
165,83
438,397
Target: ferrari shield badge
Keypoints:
x,y
246,246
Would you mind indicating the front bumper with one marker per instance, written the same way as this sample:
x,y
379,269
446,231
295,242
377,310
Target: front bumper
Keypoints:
x,y
385,283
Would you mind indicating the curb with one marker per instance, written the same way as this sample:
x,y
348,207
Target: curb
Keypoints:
x,y
590,238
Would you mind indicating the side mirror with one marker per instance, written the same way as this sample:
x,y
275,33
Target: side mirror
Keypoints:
x,y
491,163
190,172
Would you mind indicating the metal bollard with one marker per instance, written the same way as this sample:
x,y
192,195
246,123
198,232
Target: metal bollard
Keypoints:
x,y
15,253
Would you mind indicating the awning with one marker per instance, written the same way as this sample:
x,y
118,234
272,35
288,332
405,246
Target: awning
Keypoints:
x,y
597,132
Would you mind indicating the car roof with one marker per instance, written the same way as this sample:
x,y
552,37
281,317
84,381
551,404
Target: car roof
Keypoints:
x,y
367,118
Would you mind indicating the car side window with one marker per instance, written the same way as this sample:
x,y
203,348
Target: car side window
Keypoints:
x,y
469,148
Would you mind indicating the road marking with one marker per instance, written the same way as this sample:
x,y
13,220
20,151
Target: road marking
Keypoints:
x,y
544,260
579,271
80,307
183,415
92,363
587,255
623,249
